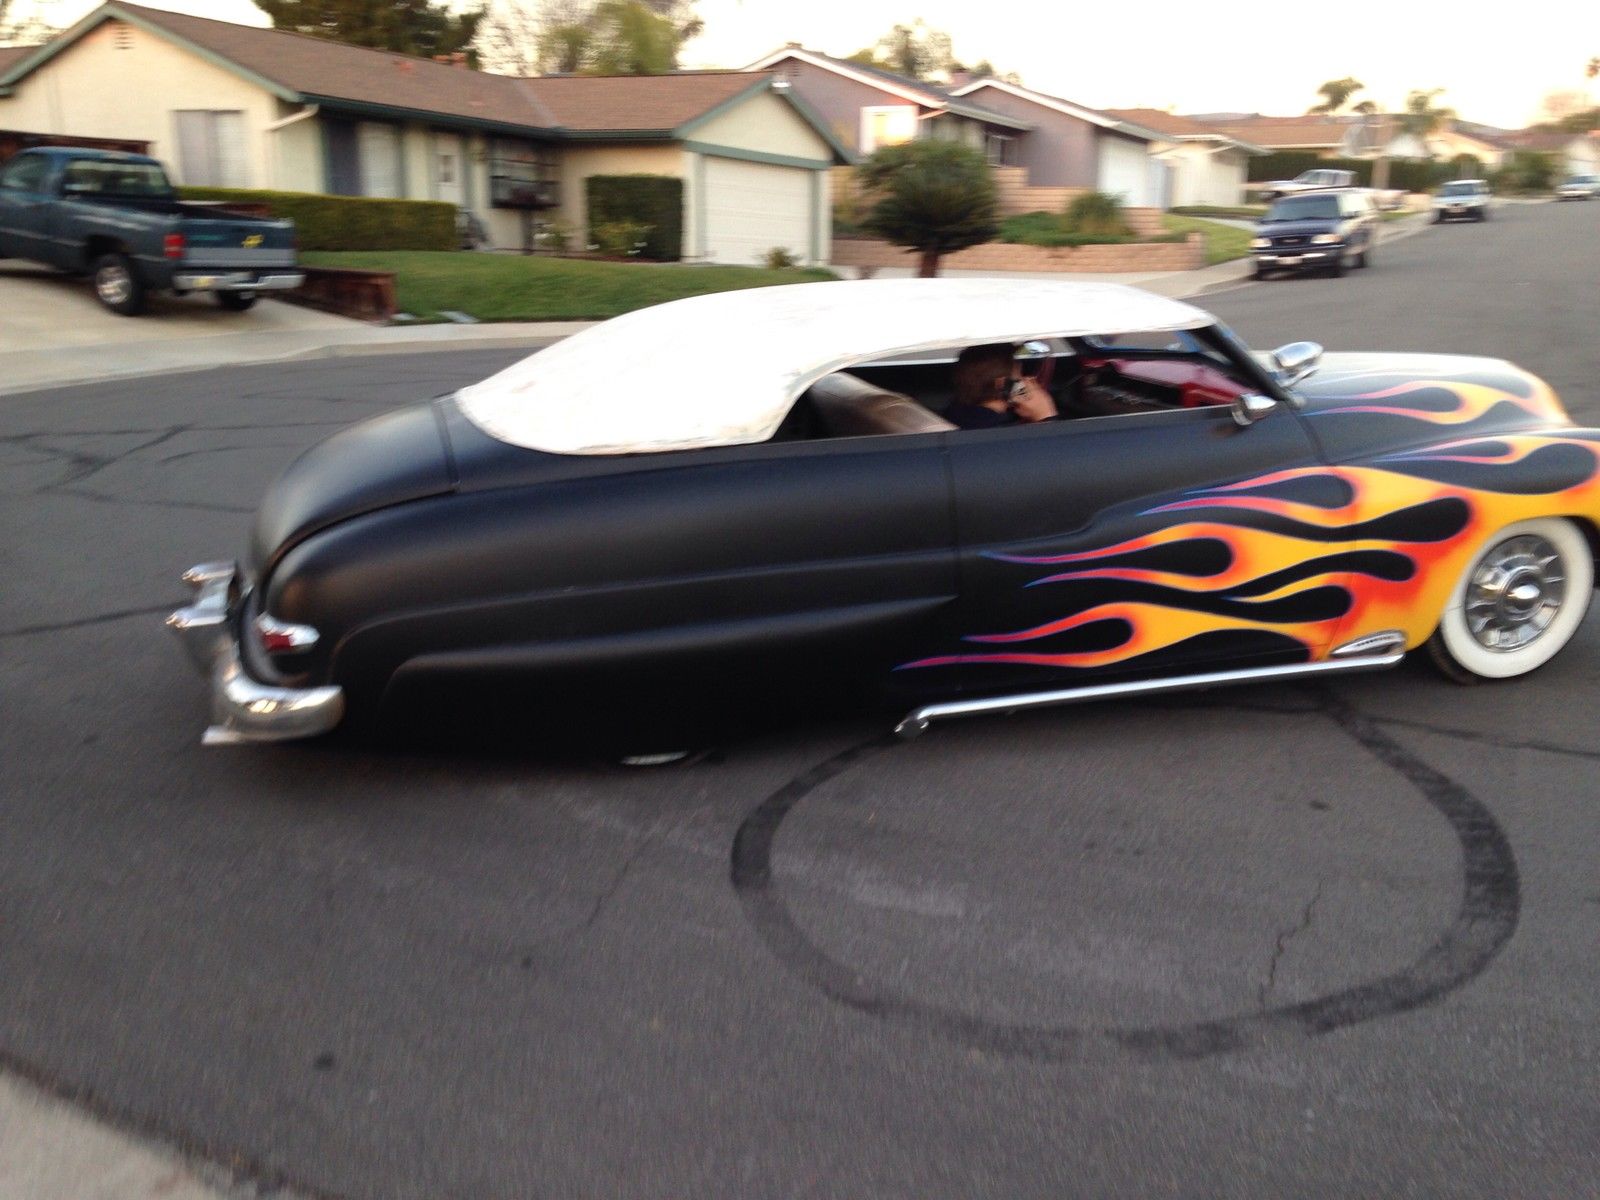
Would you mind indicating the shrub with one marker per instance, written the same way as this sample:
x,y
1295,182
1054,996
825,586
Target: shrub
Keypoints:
x,y
1528,171
620,238
929,196
1095,214
654,202
555,235
350,222
780,257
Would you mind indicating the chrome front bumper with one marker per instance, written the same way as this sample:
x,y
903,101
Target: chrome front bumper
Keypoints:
x,y
237,281
243,710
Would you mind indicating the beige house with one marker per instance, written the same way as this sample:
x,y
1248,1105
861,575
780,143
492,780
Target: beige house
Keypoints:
x,y
227,105
1207,165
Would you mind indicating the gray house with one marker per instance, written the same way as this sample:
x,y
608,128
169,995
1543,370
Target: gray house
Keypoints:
x,y
865,107
1069,145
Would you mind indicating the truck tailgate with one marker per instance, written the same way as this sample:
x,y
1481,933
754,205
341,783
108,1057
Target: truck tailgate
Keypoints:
x,y
237,242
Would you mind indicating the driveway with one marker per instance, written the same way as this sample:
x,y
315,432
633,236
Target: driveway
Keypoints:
x,y
1291,941
43,308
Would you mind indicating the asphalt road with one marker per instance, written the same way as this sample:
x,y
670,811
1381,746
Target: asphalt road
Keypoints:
x,y
1294,941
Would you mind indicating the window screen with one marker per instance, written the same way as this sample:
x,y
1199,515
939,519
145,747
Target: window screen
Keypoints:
x,y
211,148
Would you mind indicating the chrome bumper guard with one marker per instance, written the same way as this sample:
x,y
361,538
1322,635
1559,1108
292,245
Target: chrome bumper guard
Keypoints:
x,y
243,710
237,281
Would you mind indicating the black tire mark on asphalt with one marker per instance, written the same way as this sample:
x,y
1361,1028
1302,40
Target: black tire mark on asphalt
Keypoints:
x,y
1483,924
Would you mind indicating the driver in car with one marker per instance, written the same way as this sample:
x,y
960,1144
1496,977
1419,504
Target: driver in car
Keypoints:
x,y
991,390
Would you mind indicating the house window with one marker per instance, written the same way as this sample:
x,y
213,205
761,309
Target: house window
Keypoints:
x,y
1000,149
887,125
211,148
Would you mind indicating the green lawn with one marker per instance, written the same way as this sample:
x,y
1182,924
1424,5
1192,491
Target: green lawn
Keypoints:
x,y
511,287
1223,242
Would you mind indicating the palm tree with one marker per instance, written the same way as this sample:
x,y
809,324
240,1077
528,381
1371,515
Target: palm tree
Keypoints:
x,y
1422,117
1336,93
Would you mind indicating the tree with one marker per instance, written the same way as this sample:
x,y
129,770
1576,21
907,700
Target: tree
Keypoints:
x,y
594,37
932,197
987,70
422,27
28,30
1422,116
1336,94
913,50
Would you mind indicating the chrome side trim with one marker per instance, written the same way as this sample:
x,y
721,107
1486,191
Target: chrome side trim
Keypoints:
x,y
917,721
1372,643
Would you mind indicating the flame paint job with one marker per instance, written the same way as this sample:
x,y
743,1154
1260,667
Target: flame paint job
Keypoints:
x,y
1318,556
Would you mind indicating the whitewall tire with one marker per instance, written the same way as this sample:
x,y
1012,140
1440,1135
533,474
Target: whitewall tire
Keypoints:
x,y
1519,601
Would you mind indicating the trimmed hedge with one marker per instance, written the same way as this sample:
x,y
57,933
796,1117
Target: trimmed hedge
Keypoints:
x,y
350,222
654,201
1049,229
1409,174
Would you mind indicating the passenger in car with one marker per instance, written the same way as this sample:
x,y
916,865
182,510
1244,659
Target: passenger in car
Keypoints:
x,y
991,390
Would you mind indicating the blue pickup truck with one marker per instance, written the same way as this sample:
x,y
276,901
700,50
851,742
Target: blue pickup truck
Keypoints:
x,y
116,218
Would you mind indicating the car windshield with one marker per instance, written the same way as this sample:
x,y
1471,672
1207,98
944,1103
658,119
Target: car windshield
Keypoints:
x,y
1460,189
1305,208
109,177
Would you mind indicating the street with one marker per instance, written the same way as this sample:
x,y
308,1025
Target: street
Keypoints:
x,y
1329,940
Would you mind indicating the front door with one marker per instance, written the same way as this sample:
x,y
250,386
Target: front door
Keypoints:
x,y
1103,547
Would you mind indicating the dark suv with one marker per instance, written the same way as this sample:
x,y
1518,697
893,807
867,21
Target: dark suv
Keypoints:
x,y
1316,231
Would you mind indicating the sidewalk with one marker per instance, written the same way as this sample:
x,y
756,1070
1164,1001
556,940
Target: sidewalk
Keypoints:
x,y
49,1150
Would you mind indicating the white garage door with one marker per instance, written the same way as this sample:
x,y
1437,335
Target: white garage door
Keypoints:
x,y
752,207
1125,170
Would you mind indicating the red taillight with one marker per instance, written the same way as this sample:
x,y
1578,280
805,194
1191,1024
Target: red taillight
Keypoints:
x,y
279,637
172,246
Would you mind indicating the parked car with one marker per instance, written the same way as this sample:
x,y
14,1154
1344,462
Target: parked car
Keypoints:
x,y
1466,199
1317,179
1578,187
1316,231
761,510
116,218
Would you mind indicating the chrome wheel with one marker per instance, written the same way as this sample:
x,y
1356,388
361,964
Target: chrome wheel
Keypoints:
x,y
113,283
1517,602
1515,593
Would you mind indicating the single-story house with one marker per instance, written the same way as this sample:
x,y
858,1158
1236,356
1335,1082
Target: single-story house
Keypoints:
x,y
1326,136
866,107
236,106
1573,153
1075,146
1208,166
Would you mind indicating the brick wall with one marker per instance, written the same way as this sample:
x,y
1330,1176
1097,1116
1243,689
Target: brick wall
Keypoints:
x,y
1134,257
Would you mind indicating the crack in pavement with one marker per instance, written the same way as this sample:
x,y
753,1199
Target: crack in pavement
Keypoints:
x,y
1285,936
81,622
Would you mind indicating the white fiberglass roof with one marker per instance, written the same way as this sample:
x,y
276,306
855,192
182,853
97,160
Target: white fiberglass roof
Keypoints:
x,y
724,369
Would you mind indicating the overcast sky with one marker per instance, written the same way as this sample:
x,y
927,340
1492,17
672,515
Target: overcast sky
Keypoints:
x,y
1495,62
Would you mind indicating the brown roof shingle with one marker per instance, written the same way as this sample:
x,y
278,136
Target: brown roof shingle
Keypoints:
x,y
1279,132
1165,122
642,103
315,66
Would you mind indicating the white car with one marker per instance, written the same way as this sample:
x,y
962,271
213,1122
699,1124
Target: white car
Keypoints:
x,y
1579,187
1465,198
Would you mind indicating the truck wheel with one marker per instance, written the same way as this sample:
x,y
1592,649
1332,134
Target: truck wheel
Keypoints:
x,y
1336,268
117,284
1517,603
236,301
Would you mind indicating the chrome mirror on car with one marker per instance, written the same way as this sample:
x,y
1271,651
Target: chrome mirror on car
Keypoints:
x,y
1294,362
1034,349
1251,407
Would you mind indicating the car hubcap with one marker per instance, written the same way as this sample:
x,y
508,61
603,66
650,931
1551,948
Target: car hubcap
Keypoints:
x,y
114,284
1515,593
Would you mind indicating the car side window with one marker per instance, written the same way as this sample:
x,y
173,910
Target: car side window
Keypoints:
x,y
24,175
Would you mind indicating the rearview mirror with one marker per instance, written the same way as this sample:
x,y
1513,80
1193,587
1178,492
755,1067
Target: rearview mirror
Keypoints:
x,y
1251,407
1294,362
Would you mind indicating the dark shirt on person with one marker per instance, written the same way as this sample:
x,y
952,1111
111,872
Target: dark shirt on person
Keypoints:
x,y
976,416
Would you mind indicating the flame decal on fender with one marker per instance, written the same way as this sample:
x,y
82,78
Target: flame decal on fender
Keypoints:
x,y
1316,556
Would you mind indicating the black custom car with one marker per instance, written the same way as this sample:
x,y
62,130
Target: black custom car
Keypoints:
x,y
769,513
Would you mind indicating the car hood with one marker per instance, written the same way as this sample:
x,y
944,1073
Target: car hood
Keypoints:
x,y
388,460
1367,403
